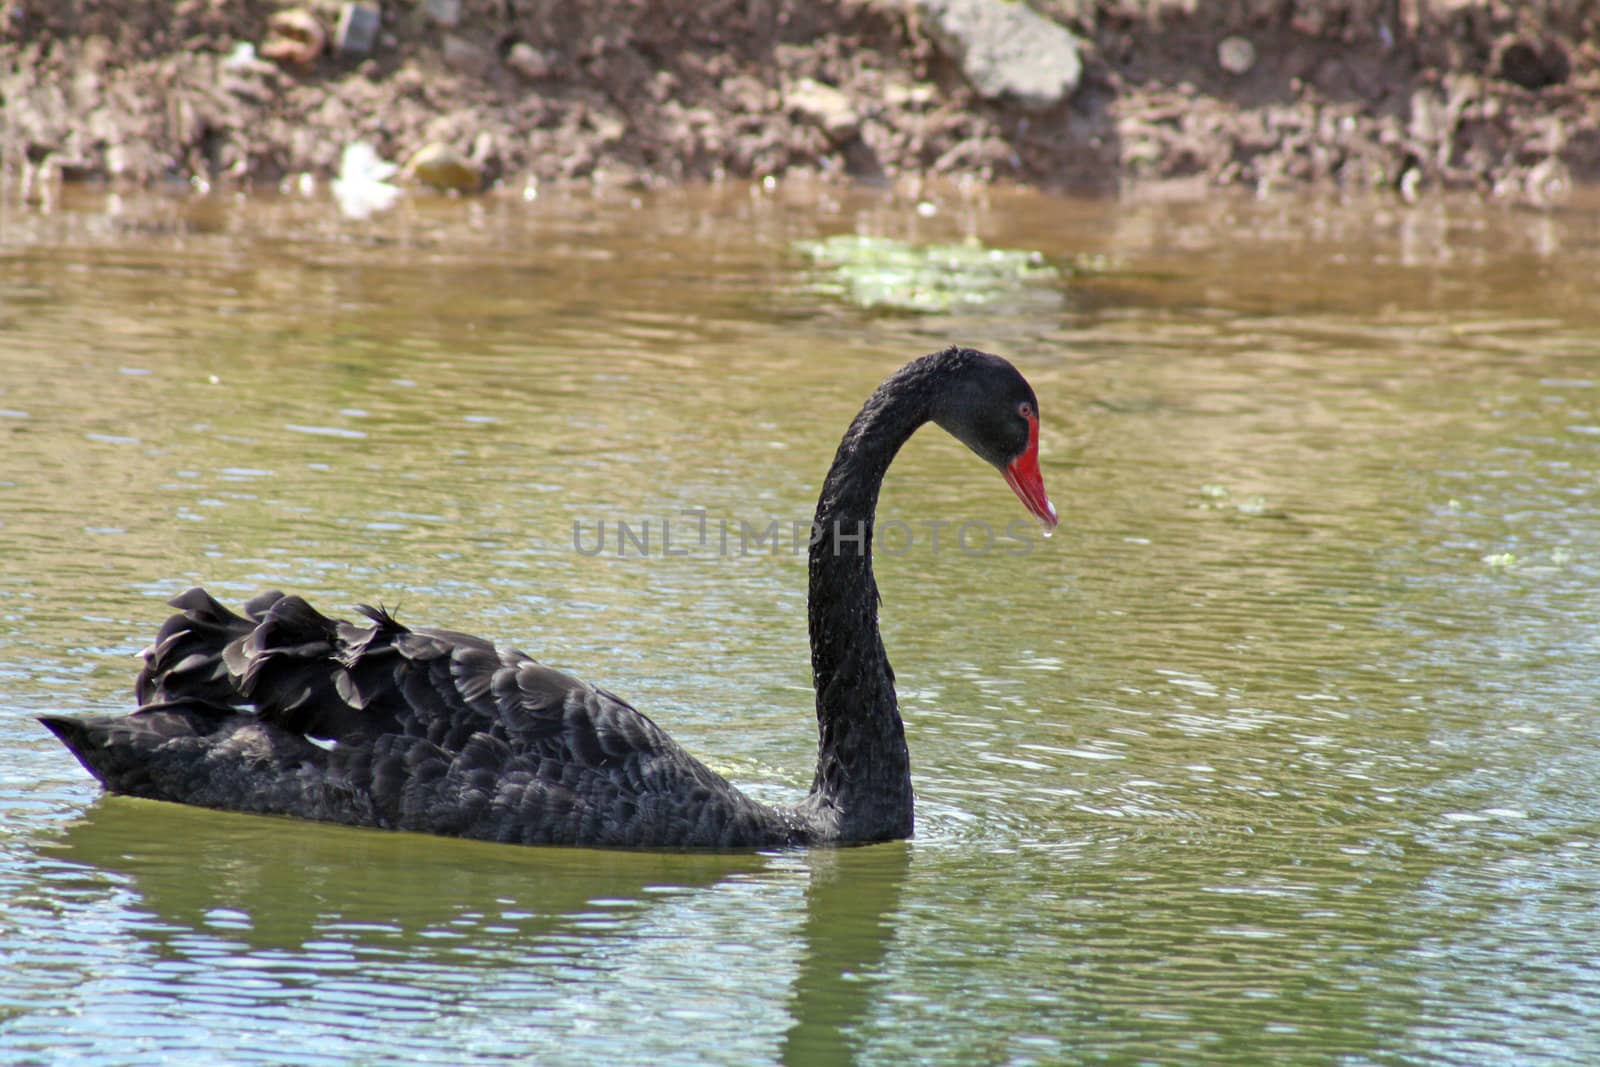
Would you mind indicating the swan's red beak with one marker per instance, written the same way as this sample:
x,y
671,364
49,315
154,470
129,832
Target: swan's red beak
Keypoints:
x,y
1022,475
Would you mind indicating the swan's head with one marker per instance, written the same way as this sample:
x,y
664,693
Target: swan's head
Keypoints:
x,y
988,406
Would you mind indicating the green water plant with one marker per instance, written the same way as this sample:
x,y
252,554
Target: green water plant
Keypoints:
x,y
884,273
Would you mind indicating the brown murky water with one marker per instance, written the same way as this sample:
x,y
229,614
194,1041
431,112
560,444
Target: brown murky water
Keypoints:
x,y
1281,751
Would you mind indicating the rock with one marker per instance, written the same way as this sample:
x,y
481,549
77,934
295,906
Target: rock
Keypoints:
x,y
1548,183
443,12
1533,65
528,62
358,28
1236,55
466,57
611,128
1005,49
902,95
1430,124
294,36
824,107
242,74
483,150
442,167
1410,185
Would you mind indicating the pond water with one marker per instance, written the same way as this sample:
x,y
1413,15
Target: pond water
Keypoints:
x,y
1283,750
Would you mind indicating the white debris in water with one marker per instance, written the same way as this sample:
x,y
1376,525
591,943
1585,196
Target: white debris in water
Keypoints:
x,y
362,187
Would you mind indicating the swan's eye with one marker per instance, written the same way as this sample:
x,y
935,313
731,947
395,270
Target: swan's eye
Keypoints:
x,y
1025,409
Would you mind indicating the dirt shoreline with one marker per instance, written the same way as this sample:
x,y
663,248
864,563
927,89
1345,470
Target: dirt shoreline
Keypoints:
x,y
1408,95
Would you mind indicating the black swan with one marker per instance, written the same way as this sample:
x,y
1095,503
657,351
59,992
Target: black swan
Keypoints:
x,y
440,732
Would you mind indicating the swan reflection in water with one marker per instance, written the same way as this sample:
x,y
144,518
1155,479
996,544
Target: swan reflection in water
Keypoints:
x,y
247,915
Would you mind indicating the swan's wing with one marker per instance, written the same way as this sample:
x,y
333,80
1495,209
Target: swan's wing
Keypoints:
x,y
335,681
447,733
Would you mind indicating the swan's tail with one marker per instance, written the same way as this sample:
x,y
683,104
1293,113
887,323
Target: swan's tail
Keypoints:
x,y
219,695
193,753
227,701
120,750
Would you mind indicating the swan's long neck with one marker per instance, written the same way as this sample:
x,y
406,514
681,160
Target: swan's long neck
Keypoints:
x,y
862,789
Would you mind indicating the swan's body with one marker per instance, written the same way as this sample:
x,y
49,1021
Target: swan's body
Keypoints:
x,y
282,710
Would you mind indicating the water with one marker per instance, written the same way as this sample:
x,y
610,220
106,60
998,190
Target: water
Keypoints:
x,y
1280,753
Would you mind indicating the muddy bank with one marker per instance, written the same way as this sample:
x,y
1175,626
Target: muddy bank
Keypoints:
x,y
1410,95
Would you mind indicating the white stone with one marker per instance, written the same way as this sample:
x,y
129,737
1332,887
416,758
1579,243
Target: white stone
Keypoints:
x,y
1236,55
